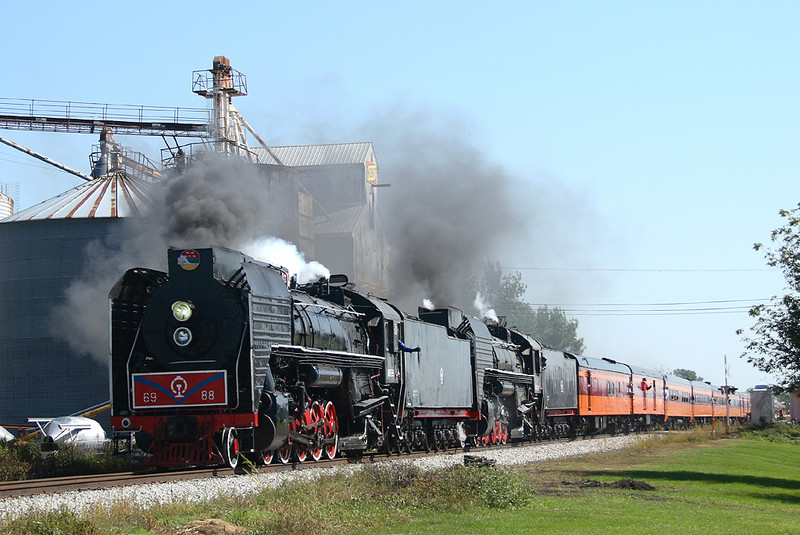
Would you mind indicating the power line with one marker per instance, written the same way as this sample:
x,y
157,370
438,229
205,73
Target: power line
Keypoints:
x,y
656,312
678,303
679,312
663,309
29,164
634,270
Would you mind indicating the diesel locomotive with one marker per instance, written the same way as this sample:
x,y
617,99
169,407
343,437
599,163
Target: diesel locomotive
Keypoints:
x,y
224,357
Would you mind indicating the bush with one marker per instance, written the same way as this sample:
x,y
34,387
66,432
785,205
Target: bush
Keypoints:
x,y
777,432
487,486
12,466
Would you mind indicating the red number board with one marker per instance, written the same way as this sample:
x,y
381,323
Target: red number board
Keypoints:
x,y
179,389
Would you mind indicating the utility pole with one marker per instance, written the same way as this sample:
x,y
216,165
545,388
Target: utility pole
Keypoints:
x,y
727,396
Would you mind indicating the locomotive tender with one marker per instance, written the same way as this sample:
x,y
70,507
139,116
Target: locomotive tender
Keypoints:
x,y
223,357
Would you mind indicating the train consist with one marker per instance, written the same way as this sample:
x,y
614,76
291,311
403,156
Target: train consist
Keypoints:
x,y
224,358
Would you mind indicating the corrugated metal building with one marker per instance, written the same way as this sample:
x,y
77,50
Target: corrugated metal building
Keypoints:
x,y
347,235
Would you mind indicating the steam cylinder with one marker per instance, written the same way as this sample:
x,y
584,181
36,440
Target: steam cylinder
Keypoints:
x,y
321,376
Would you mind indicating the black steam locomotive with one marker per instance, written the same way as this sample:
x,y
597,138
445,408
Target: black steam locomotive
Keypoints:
x,y
223,357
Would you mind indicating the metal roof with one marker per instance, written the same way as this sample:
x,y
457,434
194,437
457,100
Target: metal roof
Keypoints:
x,y
112,195
340,222
311,155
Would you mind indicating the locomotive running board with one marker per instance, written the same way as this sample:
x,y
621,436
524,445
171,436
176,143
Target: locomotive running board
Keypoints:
x,y
335,358
368,405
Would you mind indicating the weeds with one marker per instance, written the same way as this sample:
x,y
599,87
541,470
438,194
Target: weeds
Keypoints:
x,y
25,460
777,432
61,522
392,475
490,487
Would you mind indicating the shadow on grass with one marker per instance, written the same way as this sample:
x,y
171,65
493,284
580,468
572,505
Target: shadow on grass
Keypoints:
x,y
717,479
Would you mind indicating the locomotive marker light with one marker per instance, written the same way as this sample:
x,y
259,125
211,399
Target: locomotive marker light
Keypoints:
x,y
182,336
182,310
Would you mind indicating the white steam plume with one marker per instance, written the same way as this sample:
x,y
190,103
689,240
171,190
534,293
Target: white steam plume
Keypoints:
x,y
281,253
428,304
485,309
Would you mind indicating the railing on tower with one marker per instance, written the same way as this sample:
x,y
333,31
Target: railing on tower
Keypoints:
x,y
88,117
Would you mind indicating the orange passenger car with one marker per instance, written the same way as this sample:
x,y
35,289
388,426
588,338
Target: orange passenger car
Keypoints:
x,y
647,388
604,393
678,404
702,402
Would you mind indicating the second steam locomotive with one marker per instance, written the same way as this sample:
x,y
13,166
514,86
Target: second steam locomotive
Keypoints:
x,y
224,358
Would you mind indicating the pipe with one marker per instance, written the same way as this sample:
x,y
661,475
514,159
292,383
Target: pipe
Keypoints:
x,y
44,158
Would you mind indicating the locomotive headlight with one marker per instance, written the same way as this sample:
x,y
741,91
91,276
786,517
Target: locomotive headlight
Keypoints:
x,y
182,336
181,310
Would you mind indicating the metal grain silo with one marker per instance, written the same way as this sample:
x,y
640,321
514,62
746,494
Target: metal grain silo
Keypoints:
x,y
42,253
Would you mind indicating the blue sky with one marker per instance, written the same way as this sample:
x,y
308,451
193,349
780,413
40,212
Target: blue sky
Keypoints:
x,y
666,133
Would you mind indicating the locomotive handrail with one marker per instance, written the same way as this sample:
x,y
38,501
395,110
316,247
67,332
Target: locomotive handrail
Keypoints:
x,y
513,376
238,359
302,304
129,372
340,358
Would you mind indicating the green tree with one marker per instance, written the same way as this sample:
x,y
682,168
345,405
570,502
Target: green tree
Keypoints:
x,y
691,375
550,326
774,343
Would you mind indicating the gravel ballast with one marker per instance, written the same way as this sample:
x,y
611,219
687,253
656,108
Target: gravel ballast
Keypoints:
x,y
200,490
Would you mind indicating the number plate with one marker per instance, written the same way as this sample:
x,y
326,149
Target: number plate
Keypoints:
x,y
170,389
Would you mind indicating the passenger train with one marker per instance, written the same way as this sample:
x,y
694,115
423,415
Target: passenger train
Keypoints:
x,y
223,357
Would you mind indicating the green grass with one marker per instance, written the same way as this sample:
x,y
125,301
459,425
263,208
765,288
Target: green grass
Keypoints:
x,y
742,486
729,486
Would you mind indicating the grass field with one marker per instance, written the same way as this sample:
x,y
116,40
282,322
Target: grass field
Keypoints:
x,y
731,486
741,486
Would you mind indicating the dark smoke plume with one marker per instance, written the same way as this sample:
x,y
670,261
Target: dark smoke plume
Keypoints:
x,y
451,209
447,211
220,202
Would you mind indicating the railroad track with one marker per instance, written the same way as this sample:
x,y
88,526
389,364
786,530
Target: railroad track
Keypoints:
x,y
34,487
